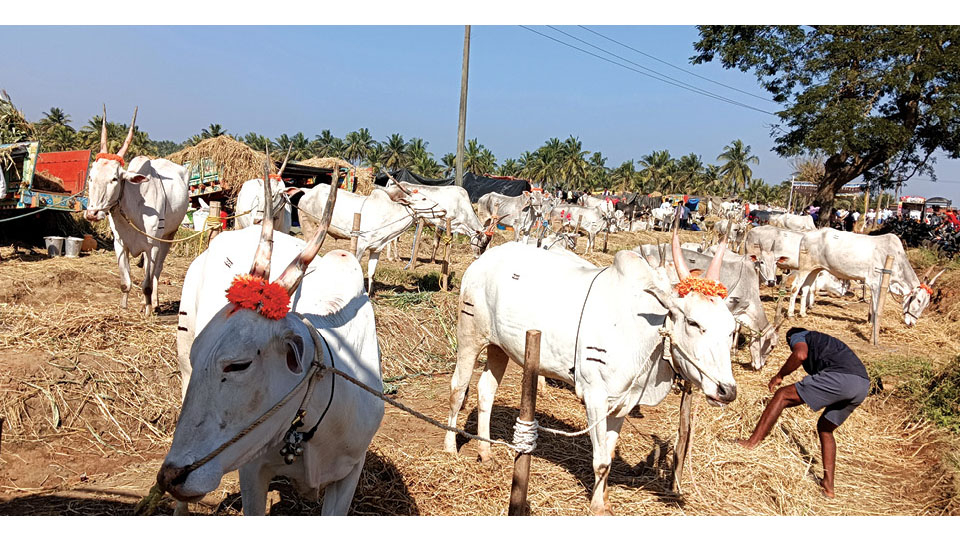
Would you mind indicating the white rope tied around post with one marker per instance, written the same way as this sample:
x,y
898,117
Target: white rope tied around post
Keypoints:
x,y
525,436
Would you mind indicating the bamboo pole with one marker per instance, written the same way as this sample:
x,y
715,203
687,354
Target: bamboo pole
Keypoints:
x,y
881,296
445,265
528,407
683,435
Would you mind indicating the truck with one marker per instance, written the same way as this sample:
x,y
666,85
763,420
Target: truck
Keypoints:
x,y
30,179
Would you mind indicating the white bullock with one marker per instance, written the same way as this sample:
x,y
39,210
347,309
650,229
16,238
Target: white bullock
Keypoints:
x,y
250,204
602,336
454,201
853,256
150,195
384,215
239,361
521,212
591,221
793,222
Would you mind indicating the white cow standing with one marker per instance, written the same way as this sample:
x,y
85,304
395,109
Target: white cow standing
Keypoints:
x,y
237,363
591,221
520,212
150,195
793,222
250,204
855,256
385,215
608,347
454,201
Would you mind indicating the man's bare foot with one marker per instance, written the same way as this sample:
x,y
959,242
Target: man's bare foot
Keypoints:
x,y
827,489
745,443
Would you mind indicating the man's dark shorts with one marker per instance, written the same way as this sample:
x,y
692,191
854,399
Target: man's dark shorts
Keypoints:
x,y
838,393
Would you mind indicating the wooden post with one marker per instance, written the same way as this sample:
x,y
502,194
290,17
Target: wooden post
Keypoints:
x,y
882,295
683,435
436,244
445,265
354,234
528,406
214,213
1,431
416,246
462,124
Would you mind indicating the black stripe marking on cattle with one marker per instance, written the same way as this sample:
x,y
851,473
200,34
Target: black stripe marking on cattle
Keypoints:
x,y
467,303
516,276
465,313
228,262
182,328
598,349
183,312
597,360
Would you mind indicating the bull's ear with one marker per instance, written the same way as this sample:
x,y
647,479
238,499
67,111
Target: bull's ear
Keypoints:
x,y
783,259
294,353
132,177
753,258
291,191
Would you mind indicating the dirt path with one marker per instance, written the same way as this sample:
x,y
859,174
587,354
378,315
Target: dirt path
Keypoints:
x,y
91,394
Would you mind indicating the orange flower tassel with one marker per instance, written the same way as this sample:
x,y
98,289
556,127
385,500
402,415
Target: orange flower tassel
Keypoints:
x,y
706,287
927,288
269,299
111,157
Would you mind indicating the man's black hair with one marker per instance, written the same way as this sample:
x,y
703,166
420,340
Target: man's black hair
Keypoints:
x,y
793,331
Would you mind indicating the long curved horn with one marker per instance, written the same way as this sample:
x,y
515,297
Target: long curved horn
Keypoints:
x,y
293,274
284,165
936,276
713,271
129,139
261,260
397,183
682,271
927,274
103,131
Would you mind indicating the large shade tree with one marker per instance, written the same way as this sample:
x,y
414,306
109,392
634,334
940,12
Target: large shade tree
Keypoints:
x,y
862,95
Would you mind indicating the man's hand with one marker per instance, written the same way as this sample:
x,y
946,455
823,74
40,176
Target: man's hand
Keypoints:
x,y
774,383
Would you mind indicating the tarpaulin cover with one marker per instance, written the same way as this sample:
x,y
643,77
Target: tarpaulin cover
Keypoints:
x,y
403,175
476,186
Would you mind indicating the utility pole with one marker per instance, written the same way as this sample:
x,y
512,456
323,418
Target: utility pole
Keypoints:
x,y
462,129
790,198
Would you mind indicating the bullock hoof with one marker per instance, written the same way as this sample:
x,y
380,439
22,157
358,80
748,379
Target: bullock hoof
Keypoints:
x,y
488,463
604,510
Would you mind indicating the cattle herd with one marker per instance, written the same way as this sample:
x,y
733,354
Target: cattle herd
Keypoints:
x,y
251,360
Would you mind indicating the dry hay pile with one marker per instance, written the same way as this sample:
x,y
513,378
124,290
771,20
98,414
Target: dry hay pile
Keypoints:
x,y
45,181
13,125
365,175
236,161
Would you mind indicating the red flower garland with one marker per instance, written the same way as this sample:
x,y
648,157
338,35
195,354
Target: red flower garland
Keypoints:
x,y
275,177
111,157
927,288
269,299
706,287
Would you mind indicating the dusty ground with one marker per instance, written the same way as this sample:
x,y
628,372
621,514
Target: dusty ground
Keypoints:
x,y
90,394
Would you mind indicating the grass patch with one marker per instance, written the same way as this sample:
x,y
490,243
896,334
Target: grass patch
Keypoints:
x,y
404,300
935,392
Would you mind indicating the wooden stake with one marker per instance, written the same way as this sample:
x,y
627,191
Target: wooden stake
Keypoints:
x,y
436,244
445,264
354,237
528,406
1,431
683,435
214,213
882,295
416,246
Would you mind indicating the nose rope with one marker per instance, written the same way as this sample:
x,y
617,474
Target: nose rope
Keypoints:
x,y
670,341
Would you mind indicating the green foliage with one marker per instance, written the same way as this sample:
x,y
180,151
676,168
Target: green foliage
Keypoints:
x,y
877,101
935,393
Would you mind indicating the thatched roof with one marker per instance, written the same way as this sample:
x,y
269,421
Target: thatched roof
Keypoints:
x,y
365,175
236,161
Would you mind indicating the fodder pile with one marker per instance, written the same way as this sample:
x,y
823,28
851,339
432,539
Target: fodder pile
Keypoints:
x,y
236,161
364,174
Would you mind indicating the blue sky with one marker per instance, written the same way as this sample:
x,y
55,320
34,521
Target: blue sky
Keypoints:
x,y
524,88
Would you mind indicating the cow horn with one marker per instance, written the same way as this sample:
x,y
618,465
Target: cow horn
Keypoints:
x,y
713,271
927,273
103,131
261,260
682,271
129,139
293,274
284,165
936,276
396,183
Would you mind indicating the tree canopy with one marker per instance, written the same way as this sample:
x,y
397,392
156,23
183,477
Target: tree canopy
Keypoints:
x,y
876,101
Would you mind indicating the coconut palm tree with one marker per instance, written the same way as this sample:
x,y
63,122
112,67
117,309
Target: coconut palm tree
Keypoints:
x,y
395,152
58,138
374,157
55,117
478,159
597,172
625,175
510,167
655,167
213,130
736,169
424,165
689,169
323,143
359,145
449,162
258,142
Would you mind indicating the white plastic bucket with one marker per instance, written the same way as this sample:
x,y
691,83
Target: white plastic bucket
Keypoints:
x,y
54,245
71,246
199,219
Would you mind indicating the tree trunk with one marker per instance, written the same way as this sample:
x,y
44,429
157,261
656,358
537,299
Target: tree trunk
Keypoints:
x,y
833,179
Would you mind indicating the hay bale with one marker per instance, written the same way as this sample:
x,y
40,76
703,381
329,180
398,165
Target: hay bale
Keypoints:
x,y
365,175
236,161
45,181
